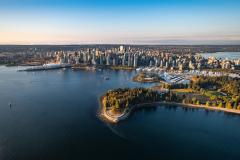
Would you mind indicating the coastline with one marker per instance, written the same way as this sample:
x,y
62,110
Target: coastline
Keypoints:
x,y
115,119
103,114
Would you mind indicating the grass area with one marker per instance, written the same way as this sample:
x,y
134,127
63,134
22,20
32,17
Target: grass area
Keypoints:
x,y
185,90
215,93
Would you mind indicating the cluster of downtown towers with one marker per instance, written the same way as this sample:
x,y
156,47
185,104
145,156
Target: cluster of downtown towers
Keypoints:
x,y
135,57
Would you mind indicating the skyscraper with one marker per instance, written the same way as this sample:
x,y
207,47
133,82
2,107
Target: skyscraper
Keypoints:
x,y
108,59
93,58
135,60
114,61
124,59
129,60
121,49
101,59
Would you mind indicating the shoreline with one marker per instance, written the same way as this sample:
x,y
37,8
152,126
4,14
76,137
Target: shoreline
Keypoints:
x,y
103,114
125,114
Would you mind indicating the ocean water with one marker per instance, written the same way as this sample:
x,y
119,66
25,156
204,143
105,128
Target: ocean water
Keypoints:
x,y
223,55
54,116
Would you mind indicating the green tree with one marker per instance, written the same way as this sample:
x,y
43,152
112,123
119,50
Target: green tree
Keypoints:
x,y
214,104
194,100
117,106
207,103
105,102
238,107
127,104
235,105
220,105
228,105
197,103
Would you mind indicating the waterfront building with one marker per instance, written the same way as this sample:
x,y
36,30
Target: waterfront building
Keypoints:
x,y
114,61
93,59
76,60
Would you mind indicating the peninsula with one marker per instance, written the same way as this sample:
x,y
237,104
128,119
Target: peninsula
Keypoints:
x,y
221,93
117,104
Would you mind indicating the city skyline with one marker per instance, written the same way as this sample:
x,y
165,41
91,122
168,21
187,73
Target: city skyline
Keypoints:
x,y
119,22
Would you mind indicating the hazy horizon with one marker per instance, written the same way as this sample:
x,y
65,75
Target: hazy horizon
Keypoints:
x,y
142,22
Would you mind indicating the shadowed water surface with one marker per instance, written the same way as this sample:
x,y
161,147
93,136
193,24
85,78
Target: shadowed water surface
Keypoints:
x,y
54,116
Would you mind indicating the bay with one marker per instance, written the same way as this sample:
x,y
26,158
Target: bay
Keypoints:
x,y
54,116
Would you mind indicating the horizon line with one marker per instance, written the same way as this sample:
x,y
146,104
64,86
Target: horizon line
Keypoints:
x,y
126,44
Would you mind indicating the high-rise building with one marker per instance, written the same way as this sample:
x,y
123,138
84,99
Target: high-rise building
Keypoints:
x,y
135,60
129,60
97,52
151,63
108,59
156,61
76,60
166,65
114,61
85,57
121,49
101,59
124,59
181,67
94,59
161,63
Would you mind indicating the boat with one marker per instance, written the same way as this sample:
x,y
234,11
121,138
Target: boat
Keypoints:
x,y
106,78
48,66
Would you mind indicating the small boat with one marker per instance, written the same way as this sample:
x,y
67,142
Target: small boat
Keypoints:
x,y
106,78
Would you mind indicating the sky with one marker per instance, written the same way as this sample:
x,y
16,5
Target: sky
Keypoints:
x,y
119,22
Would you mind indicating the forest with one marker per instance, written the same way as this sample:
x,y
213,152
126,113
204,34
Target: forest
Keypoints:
x,y
121,99
221,92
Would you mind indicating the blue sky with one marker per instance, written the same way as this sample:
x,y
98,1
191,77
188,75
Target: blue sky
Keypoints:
x,y
119,21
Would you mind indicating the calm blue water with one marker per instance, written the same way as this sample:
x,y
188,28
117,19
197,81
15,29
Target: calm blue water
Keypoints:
x,y
54,116
223,55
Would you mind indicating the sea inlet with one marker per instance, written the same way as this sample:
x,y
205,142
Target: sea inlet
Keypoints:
x,y
54,115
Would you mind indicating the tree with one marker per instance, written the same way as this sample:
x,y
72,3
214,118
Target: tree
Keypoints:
x,y
212,97
207,103
228,105
220,105
105,102
197,103
117,106
127,104
214,104
235,105
238,107
194,100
